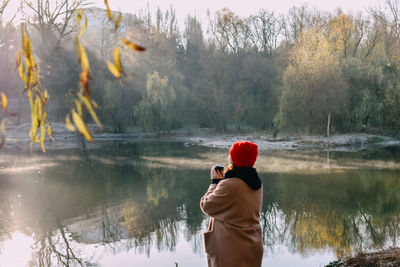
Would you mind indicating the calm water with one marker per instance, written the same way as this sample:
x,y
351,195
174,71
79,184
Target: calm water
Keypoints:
x,y
131,204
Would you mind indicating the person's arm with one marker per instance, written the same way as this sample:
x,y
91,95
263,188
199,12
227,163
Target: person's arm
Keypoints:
x,y
218,198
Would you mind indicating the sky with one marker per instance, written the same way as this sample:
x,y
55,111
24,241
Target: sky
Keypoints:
x,y
242,8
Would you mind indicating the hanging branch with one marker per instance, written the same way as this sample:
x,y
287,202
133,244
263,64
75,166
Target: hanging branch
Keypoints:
x,y
30,75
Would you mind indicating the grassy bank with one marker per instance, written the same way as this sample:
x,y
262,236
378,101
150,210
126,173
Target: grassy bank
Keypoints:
x,y
387,257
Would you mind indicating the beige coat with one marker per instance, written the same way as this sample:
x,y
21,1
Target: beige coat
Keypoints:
x,y
234,236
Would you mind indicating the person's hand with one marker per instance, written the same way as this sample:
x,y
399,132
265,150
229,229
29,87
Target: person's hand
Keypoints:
x,y
214,174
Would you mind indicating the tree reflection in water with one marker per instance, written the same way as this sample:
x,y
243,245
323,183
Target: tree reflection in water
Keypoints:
x,y
55,246
342,212
122,201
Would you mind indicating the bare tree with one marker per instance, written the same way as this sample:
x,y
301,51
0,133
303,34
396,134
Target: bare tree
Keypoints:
x,y
166,22
360,30
3,5
300,19
229,30
266,29
52,20
387,25
374,37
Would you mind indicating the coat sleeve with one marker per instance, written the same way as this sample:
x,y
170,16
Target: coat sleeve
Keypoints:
x,y
218,199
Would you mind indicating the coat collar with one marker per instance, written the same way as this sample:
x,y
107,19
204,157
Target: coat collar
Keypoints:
x,y
249,175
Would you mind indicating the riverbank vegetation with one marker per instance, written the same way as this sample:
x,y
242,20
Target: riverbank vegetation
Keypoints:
x,y
308,71
388,257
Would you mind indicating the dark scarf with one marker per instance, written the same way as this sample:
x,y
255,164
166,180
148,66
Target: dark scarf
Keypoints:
x,y
247,174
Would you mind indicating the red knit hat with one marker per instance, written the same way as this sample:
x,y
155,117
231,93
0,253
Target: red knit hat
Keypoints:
x,y
243,153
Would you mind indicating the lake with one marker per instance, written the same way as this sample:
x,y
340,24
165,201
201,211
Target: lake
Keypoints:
x,y
137,204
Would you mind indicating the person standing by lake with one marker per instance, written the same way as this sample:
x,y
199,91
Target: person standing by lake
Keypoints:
x,y
233,201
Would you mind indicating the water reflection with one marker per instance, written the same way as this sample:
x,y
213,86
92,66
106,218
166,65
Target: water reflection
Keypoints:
x,y
342,212
139,197
54,247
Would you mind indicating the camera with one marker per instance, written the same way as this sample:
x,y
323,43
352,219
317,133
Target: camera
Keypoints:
x,y
219,168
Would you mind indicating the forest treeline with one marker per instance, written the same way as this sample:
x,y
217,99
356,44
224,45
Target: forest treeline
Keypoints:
x,y
300,72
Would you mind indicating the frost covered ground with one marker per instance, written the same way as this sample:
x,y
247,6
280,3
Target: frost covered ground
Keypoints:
x,y
18,136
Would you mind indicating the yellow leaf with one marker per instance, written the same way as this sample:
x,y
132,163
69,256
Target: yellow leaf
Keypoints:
x,y
30,100
95,105
118,21
133,45
3,132
34,139
68,124
50,133
85,76
113,69
108,10
90,108
4,101
80,14
43,147
18,58
43,133
83,28
31,59
81,126
21,69
78,107
84,58
36,117
45,94
25,39
117,59
38,108
32,79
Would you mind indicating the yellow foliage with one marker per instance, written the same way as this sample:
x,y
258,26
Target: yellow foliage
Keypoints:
x,y
3,132
118,21
21,70
117,59
45,95
80,14
340,30
82,56
89,105
83,28
4,101
78,107
43,133
312,50
68,124
110,17
29,74
50,133
132,45
114,70
81,126
18,60
83,96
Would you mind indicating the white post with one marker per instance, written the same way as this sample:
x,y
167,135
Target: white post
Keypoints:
x,y
328,126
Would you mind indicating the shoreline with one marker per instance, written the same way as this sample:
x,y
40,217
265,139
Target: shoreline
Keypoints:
x,y
349,142
384,257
